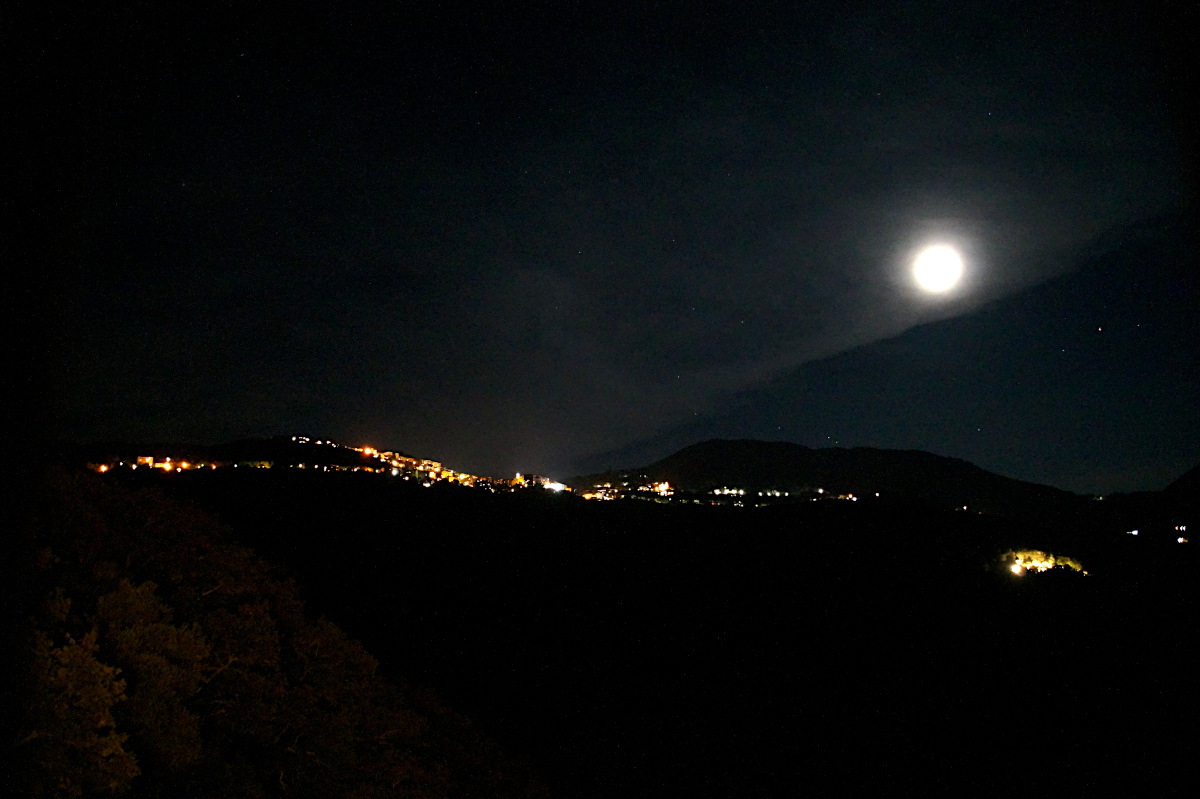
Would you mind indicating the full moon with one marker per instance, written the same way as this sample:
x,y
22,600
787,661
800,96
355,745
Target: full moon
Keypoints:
x,y
937,269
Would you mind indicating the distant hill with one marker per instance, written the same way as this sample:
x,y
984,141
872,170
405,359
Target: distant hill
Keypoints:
x,y
894,474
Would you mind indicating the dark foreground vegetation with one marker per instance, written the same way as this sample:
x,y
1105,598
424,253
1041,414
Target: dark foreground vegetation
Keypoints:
x,y
622,648
159,658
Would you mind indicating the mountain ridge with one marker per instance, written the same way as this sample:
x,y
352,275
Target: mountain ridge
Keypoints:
x,y
917,475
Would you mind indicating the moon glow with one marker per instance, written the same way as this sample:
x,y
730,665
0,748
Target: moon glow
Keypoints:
x,y
937,269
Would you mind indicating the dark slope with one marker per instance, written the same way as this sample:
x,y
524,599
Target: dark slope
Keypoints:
x,y
896,474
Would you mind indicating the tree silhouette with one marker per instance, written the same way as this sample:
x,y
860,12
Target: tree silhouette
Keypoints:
x,y
163,659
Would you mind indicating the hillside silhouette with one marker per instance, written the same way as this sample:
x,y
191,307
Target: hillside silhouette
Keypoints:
x,y
864,471
914,477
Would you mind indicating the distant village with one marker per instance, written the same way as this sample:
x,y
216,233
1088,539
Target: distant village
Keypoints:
x,y
430,472
395,464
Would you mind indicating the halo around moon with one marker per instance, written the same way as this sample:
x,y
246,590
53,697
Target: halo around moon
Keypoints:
x,y
937,269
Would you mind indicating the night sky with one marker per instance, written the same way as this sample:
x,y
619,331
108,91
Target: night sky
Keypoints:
x,y
558,237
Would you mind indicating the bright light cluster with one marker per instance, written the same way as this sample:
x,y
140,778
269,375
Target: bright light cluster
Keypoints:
x,y
602,491
1034,560
607,491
